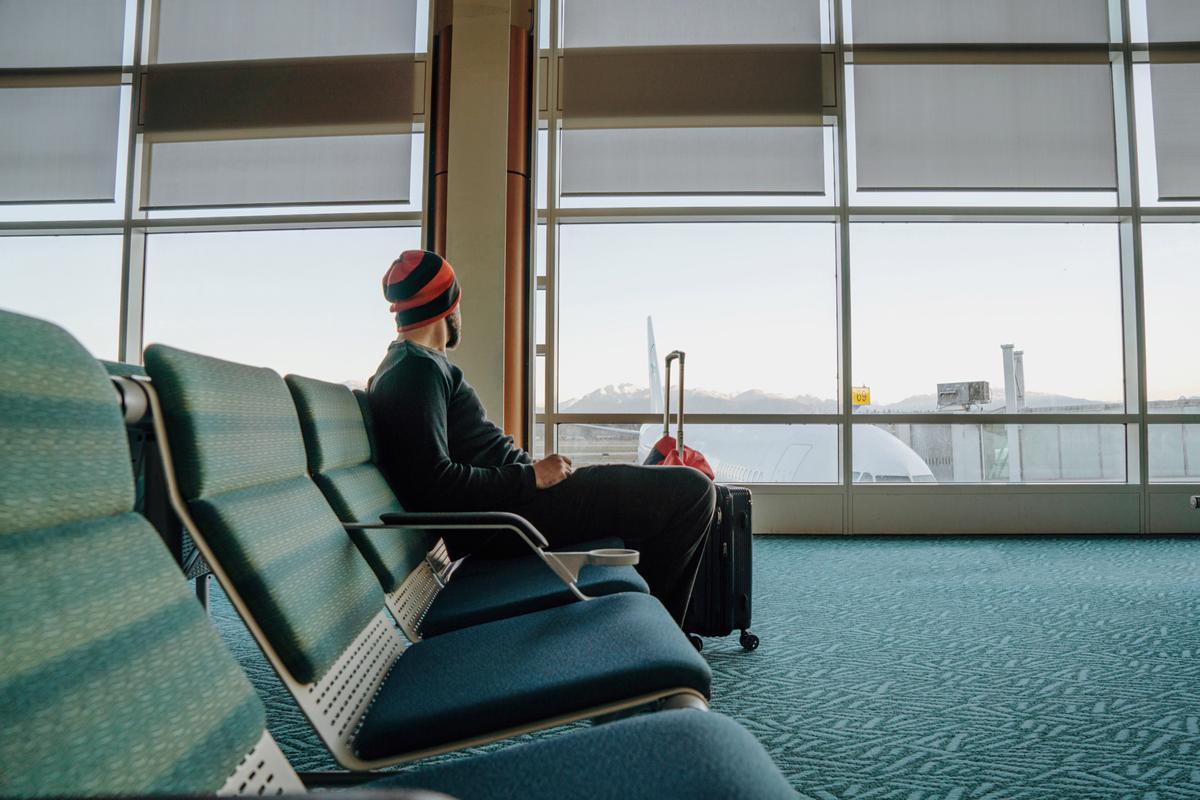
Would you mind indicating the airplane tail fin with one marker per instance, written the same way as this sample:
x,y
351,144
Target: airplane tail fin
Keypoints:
x,y
656,384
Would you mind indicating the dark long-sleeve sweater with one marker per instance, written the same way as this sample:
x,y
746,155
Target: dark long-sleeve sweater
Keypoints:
x,y
435,443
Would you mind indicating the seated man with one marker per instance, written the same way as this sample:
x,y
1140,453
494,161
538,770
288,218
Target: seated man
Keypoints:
x,y
441,453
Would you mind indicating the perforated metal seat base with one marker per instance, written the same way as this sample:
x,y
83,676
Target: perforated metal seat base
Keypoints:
x,y
262,772
411,601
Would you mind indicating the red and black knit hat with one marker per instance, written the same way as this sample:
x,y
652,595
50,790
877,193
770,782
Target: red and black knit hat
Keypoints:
x,y
421,287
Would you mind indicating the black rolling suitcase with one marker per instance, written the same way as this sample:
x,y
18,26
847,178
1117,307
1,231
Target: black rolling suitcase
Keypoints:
x,y
721,595
721,598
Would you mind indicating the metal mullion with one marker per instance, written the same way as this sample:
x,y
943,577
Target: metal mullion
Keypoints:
x,y
996,419
1133,284
648,418
133,242
841,188
657,214
282,222
550,364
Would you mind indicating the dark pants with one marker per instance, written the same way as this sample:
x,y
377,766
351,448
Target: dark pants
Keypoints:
x,y
663,512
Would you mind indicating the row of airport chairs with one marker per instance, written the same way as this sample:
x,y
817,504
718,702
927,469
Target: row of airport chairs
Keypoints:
x,y
113,680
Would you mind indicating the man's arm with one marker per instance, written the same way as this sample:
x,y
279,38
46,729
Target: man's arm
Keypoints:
x,y
409,405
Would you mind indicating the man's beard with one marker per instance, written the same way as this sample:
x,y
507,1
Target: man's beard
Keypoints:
x,y
454,330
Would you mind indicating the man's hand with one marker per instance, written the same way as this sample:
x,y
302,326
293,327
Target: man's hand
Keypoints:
x,y
551,470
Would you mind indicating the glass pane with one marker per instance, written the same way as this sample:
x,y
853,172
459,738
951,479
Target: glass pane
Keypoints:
x,y
752,304
980,21
635,23
933,303
1174,453
737,453
539,316
305,170
983,127
1171,281
296,301
673,161
61,33
73,281
233,30
990,453
1176,92
59,143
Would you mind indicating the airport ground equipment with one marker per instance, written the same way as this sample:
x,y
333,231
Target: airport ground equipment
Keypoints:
x,y
113,682
438,597
237,472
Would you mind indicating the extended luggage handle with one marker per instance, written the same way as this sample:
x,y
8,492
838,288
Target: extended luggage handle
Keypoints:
x,y
682,358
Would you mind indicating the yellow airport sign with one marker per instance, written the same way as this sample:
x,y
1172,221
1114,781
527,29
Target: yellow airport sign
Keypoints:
x,y
861,395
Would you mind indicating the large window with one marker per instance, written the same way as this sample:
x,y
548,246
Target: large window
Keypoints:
x,y
306,301
181,172
72,281
927,244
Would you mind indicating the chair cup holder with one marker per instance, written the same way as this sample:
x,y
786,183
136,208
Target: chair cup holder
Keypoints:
x,y
613,557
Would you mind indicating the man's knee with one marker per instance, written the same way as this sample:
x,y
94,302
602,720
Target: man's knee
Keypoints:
x,y
694,490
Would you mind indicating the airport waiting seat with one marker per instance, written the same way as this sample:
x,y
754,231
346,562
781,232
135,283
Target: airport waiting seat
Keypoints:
x,y
113,682
237,470
339,459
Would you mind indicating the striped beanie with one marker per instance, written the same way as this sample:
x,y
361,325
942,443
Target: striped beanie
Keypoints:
x,y
421,288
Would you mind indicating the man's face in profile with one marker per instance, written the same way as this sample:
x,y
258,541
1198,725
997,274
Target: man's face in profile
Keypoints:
x,y
454,328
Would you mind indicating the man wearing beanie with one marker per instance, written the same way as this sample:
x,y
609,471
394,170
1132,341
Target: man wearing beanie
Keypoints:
x,y
441,453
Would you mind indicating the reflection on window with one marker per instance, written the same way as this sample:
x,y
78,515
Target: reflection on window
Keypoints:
x,y
73,281
307,302
753,306
1171,279
988,453
1174,453
737,453
935,304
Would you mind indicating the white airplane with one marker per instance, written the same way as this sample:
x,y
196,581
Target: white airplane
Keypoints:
x,y
785,453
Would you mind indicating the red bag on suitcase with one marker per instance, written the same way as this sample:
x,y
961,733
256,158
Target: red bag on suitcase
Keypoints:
x,y
669,451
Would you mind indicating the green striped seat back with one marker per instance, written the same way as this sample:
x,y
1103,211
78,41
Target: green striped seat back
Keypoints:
x,y
339,458
112,680
240,463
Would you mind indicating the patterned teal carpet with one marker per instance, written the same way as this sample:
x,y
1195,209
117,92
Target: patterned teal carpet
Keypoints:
x,y
947,668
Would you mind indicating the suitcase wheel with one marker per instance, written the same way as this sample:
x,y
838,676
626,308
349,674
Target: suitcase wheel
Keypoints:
x,y
697,642
748,641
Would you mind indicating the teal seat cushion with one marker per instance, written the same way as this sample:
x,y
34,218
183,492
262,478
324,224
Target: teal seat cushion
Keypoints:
x,y
295,567
340,460
521,586
242,468
517,671
64,455
361,494
672,754
112,680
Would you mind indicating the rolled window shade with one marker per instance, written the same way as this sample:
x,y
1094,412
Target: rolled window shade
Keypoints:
x,y
295,171
61,33
241,30
348,93
984,127
1173,20
1176,98
59,144
980,21
696,85
693,161
637,23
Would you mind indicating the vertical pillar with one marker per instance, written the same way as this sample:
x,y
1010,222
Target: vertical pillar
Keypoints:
x,y
518,237
476,187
